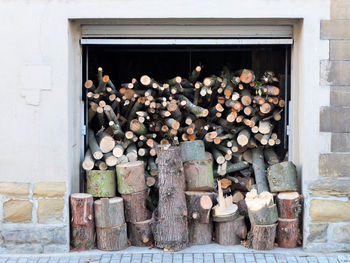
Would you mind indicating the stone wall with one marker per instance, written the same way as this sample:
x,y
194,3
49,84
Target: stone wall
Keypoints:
x,y
329,210
33,217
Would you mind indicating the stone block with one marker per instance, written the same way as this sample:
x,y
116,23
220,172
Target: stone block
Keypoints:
x,y
334,165
340,233
340,9
317,233
34,234
18,211
340,96
335,72
339,49
49,189
329,211
335,29
50,211
335,119
337,187
340,142
14,189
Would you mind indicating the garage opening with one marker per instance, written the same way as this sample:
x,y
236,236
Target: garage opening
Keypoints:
x,y
225,102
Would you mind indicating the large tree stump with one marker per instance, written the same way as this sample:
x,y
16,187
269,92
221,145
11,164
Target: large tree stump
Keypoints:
x,y
198,233
259,170
131,177
231,232
263,236
101,183
192,151
140,233
110,224
170,218
199,205
288,205
287,232
282,177
82,224
135,207
261,209
199,175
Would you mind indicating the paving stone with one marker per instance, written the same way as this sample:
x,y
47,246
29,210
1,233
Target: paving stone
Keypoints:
x,y
208,258
249,257
280,258
270,258
157,258
301,259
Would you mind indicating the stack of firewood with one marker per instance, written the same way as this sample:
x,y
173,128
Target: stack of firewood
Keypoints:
x,y
225,126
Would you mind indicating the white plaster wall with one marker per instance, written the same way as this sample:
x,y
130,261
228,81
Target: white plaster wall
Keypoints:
x,y
39,133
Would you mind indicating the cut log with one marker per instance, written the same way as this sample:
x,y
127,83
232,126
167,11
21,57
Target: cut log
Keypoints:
x,y
110,224
196,110
199,205
110,159
82,222
225,210
198,233
270,156
89,162
259,170
231,232
131,152
289,205
101,165
135,207
263,236
288,233
170,229
106,142
112,238
243,137
264,127
261,209
137,127
131,177
195,74
93,146
192,151
199,175
244,183
140,233
101,183
118,150
247,76
152,167
282,177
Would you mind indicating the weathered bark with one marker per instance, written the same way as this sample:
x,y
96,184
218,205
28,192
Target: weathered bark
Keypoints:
x,y
131,177
131,152
170,222
288,232
140,233
196,110
113,238
263,236
231,232
199,175
192,151
110,224
198,233
289,205
270,156
199,205
82,222
101,183
135,207
259,170
93,146
282,177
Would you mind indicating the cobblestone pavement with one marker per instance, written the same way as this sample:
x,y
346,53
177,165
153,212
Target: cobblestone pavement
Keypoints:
x,y
179,258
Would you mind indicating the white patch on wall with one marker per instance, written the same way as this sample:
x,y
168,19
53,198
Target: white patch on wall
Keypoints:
x,y
34,79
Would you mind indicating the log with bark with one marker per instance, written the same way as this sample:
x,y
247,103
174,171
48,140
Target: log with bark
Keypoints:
x,y
289,205
110,224
282,177
131,177
140,233
169,225
199,175
82,222
288,232
263,236
231,232
135,207
101,183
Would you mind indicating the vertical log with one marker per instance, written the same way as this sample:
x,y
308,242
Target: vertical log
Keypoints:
x,y
289,205
140,233
198,233
231,232
287,232
259,170
282,177
263,236
131,177
192,151
101,183
110,224
82,224
170,222
135,207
